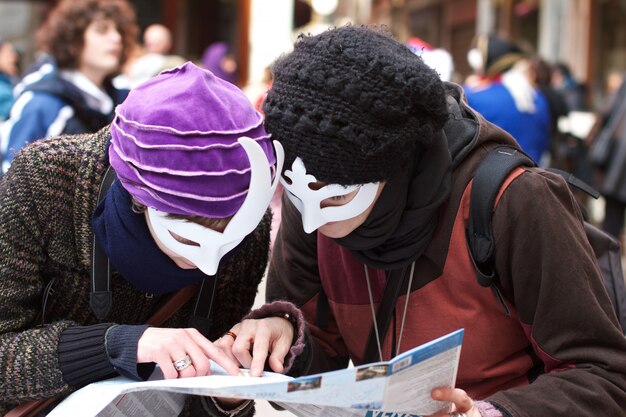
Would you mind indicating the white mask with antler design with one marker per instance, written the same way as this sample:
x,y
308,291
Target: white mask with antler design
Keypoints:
x,y
208,246
309,201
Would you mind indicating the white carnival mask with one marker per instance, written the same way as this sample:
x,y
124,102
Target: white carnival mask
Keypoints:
x,y
308,201
210,245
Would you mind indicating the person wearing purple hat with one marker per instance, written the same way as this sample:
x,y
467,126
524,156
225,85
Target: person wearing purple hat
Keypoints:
x,y
84,265
218,59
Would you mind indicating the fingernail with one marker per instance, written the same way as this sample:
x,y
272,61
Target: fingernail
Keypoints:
x,y
436,394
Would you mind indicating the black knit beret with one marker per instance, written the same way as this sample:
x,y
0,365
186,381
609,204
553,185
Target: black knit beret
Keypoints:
x,y
354,104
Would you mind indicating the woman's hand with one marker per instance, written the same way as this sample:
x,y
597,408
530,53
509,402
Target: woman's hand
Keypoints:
x,y
251,341
168,346
463,404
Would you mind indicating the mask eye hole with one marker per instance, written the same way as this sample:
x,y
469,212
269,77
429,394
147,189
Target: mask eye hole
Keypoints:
x,y
339,200
183,240
316,185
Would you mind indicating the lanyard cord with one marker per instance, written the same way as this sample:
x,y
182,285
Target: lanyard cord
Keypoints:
x,y
406,302
369,291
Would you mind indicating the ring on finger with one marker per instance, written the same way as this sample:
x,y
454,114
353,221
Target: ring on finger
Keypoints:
x,y
231,334
183,363
458,414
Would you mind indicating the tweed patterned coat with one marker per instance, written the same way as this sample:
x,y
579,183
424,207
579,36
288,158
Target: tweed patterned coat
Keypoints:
x,y
46,203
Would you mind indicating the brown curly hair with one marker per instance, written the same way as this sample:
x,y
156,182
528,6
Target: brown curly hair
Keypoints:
x,y
62,33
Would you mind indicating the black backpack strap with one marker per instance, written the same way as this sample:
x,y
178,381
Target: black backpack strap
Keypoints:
x,y
100,299
575,182
488,179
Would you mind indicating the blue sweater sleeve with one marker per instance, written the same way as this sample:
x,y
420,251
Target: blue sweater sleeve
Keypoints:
x,y
121,346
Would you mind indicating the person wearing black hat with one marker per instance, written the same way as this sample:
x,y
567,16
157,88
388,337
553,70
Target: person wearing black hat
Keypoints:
x,y
379,157
504,95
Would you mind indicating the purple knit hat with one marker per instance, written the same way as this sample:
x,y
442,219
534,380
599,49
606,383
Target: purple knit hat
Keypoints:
x,y
174,143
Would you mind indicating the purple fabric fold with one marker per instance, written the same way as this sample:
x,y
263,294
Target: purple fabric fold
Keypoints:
x,y
174,143
190,98
219,160
148,137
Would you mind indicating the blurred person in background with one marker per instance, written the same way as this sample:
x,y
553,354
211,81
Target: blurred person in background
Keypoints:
x,y
437,58
69,90
608,154
218,59
151,58
568,152
540,74
614,81
504,95
9,70
564,82
157,39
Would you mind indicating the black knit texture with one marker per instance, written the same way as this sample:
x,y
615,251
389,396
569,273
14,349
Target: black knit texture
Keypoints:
x,y
354,104
82,355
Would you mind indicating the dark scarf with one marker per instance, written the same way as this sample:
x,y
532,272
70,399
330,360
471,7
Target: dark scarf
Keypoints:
x,y
126,239
404,219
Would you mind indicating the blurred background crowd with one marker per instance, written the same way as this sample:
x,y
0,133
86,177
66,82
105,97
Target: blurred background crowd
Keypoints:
x,y
550,72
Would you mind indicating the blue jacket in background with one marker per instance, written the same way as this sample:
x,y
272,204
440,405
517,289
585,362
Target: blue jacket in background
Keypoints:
x,y
6,95
49,105
530,130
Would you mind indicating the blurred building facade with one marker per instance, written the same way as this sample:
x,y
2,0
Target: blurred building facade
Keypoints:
x,y
195,24
588,35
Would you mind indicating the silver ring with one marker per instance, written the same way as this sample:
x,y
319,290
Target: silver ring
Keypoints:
x,y
458,414
183,363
